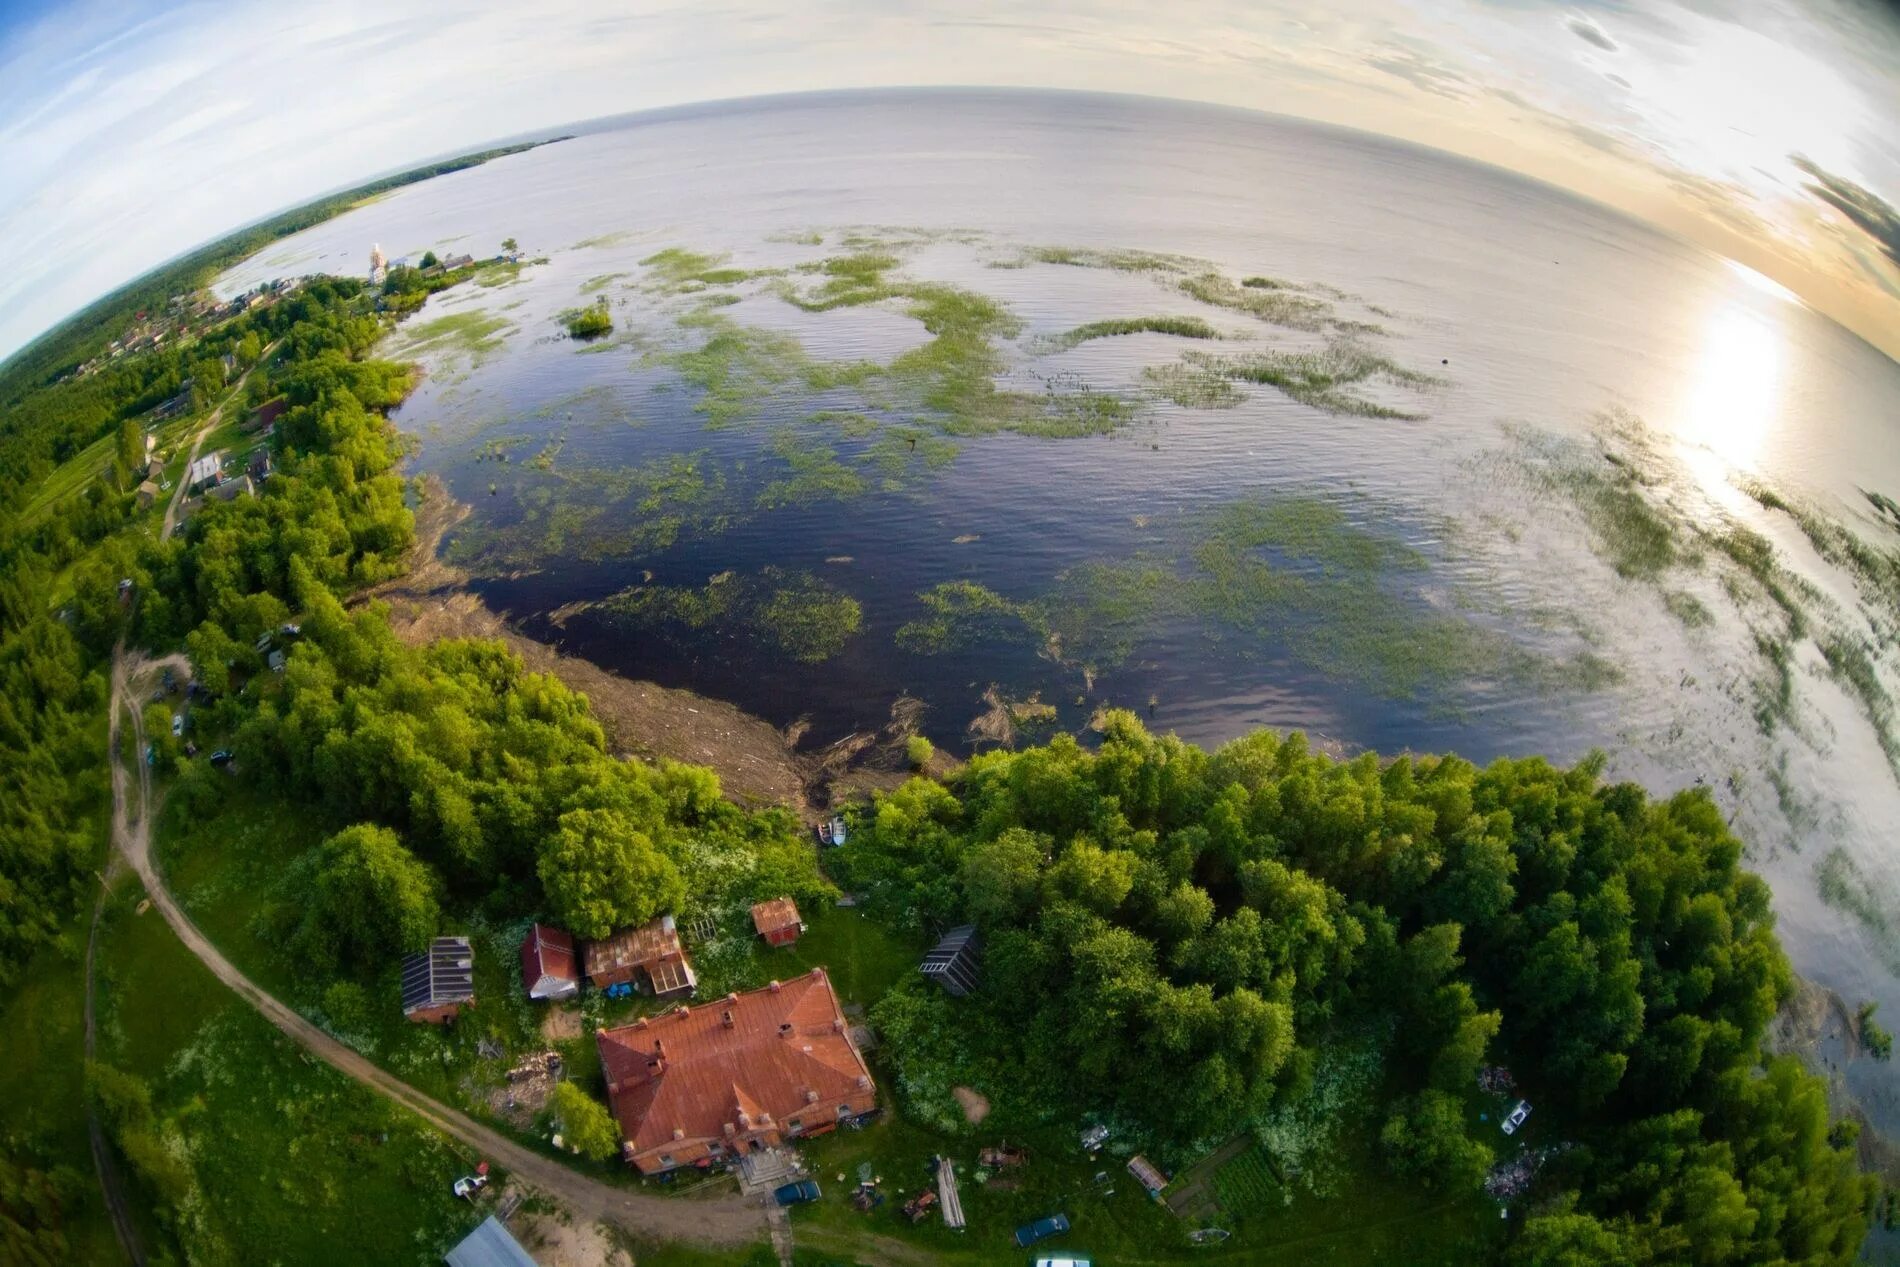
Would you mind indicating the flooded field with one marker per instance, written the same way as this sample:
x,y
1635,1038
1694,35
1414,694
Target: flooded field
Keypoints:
x,y
1024,405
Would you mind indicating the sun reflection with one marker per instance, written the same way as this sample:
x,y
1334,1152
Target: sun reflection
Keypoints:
x,y
1733,397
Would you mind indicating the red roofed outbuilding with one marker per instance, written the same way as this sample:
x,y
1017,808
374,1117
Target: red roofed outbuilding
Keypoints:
x,y
747,1072
777,921
550,969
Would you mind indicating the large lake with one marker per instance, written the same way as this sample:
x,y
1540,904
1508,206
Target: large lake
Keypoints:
x,y
1472,465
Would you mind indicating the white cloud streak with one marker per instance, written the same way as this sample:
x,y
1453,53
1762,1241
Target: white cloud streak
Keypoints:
x,y
129,134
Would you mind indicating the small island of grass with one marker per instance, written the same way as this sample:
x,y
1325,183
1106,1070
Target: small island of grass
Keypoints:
x,y
591,322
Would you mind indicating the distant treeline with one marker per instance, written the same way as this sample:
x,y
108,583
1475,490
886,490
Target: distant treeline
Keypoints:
x,y
86,333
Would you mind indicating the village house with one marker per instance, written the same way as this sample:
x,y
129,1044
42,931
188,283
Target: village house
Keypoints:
x,y
698,1085
777,921
231,490
650,954
147,495
489,1245
205,472
438,982
155,470
265,415
550,967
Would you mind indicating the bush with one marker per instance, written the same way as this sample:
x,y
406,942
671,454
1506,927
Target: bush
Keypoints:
x,y
591,322
584,1123
918,749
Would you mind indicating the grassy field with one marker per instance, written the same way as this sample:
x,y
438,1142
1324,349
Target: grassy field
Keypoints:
x,y
226,868
42,1114
292,1162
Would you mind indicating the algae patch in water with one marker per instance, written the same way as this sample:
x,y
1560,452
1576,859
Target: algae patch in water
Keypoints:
x,y
472,335
1846,887
1319,378
1179,327
1280,306
737,368
1295,575
788,612
812,473
679,271
599,282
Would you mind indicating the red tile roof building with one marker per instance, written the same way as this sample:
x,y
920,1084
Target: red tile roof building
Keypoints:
x,y
699,1084
777,921
652,951
550,968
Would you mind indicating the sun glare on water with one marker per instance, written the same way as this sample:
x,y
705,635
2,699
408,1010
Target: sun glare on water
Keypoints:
x,y
1732,396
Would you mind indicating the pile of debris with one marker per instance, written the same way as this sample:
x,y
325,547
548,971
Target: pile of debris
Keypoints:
x,y
1496,1080
1512,1177
529,1087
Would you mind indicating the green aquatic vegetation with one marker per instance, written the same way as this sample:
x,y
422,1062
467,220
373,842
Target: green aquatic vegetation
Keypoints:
x,y
1278,306
792,613
544,460
590,322
1314,529
1687,608
1628,530
1884,506
1851,665
1180,327
600,281
1267,283
473,335
1773,688
616,238
501,273
1360,329
1120,261
812,474
1875,572
1192,386
1844,885
850,424
1098,612
679,271
901,453
809,237
1078,411
1320,378
961,614
598,513
737,366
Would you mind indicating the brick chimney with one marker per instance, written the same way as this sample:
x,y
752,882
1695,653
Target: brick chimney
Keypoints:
x,y
725,1018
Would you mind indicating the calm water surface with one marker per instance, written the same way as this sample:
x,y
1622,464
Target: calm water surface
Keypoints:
x,y
1543,314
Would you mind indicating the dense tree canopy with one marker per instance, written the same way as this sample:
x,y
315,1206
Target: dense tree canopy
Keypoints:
x,y
1176,936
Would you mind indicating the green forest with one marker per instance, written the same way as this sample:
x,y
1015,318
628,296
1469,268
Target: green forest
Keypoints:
x,y
1192,945
1189,941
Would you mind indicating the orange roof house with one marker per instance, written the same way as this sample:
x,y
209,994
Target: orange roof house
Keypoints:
x,y
652,951
777,921
550,966
701,1084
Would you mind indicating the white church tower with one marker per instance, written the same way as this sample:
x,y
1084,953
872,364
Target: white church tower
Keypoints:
x,y
378,264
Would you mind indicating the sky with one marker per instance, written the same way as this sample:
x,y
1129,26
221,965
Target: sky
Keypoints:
x,y
1766,130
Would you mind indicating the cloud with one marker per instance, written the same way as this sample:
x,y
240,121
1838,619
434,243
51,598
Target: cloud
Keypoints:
x,y
1864,209
1589,32
1422,73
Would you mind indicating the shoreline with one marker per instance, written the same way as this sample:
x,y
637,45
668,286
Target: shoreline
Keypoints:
x,y
758,764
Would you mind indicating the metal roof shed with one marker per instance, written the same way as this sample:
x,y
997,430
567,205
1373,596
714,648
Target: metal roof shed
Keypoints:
x,y
952,964
489,1245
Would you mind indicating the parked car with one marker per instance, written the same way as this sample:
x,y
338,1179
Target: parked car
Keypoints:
x,y
178,723
1062,1262
1041,1230
1521,1111
221,756
797,1193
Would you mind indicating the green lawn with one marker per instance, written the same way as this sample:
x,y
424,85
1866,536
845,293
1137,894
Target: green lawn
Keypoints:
x,y
42,1114
293,1163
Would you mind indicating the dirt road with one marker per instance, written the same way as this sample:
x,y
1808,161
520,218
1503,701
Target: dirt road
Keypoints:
x,y
198,441
723,1221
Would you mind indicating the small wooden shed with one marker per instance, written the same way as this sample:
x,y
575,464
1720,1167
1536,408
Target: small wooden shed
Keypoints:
x,y
777,921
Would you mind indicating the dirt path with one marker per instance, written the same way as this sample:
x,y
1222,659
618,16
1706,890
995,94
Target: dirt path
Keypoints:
x,y
198,441
724,1221
111,1181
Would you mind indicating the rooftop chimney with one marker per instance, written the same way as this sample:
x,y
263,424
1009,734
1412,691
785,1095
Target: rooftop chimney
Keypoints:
x,y
733,997
811,1097
864,1082
773,987
679,1132
725,1018
785,1029
837,1024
